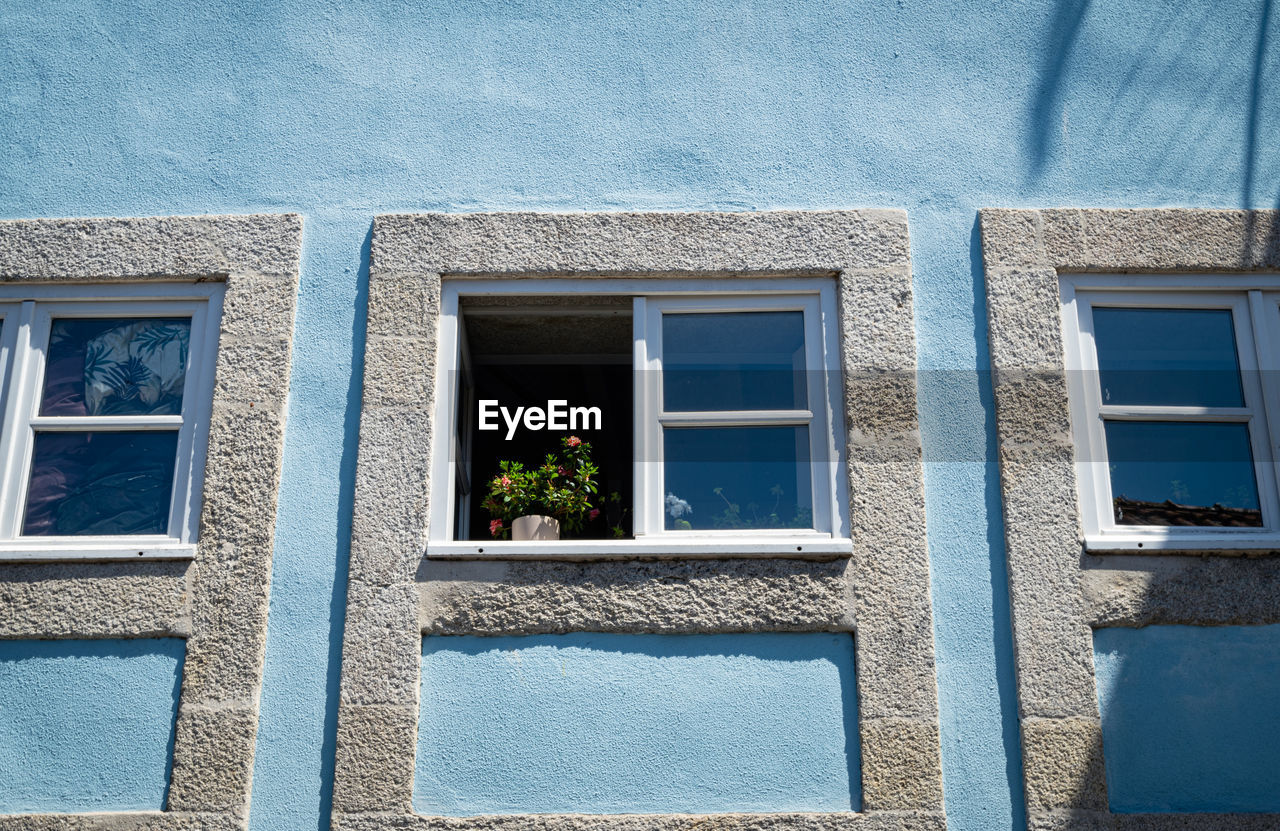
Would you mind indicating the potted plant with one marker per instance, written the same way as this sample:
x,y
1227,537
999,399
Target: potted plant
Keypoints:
x,y
535,503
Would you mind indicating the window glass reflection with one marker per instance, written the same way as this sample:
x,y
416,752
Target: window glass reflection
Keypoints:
x,y
733,361
1174,473
100,483
1167,357
115,366
725,478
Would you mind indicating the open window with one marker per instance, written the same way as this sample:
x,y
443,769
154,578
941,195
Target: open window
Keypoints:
x,y
560,356
710,407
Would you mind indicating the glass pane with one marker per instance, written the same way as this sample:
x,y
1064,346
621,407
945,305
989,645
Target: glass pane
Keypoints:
x,y
737,477
1167,356
1170,473
733,361
116,366
101,483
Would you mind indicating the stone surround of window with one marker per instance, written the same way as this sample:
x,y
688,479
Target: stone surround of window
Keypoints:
x,y
881,593
1059,592
217,601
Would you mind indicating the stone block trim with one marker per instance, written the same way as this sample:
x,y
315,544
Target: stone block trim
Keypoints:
x,y
143,599
674,597
218,600
865,821
1059,593
881,593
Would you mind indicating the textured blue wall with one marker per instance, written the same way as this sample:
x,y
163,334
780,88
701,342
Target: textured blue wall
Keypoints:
x,y
340,110
87,725
1189,717
592,723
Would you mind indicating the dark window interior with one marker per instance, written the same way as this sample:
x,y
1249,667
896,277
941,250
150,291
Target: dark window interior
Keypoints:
x,y
524,351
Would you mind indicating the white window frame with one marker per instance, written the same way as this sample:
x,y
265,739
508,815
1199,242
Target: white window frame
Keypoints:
x,y
651,297
1255,305
27,312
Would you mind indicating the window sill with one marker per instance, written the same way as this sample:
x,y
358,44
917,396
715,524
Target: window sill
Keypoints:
x,y
792,547
18,552
1239,542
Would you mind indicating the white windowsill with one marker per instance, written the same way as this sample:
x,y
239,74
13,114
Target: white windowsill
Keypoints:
x,y
795,547
1210,541
18,552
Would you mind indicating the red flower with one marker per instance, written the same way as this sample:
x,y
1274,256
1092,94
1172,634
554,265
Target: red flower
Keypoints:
x,y
564,472
506,483
573,441
495,527
595,512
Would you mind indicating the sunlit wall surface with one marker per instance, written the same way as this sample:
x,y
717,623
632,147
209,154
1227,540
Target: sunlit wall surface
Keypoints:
x,y
340,111
87,725
595,723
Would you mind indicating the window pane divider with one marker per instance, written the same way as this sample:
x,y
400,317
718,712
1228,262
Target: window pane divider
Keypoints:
x,y
736,418
105,423
1152,413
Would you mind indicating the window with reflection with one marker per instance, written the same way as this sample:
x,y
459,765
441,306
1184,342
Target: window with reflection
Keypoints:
x,y
103,403
1172,412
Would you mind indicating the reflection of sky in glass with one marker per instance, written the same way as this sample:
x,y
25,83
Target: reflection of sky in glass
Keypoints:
x,y
1167,357
762,474
115,366
733,361
1193,464
101,483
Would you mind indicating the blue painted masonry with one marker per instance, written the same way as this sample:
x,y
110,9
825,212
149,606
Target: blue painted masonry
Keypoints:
x,y
595,723
343,110
87,725
1176,737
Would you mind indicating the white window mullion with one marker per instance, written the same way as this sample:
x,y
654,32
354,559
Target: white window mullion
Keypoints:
x,y
1259,388
819,465
197,412
446,418
736,418
832,407
53,424
648,480
15,444
1094,483
1112,412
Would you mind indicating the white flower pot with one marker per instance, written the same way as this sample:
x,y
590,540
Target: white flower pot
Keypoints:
x,y
535,527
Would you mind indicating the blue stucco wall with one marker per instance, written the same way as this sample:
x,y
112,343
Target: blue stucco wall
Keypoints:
x,y
1189,717
595,723
342,110
87,725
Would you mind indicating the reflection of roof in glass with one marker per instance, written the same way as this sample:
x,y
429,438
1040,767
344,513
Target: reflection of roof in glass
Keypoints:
x,y
1137,512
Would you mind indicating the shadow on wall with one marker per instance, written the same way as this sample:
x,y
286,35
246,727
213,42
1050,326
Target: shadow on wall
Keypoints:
x,y
1046,103
1177,35
1188,717
1006,684
1251,139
